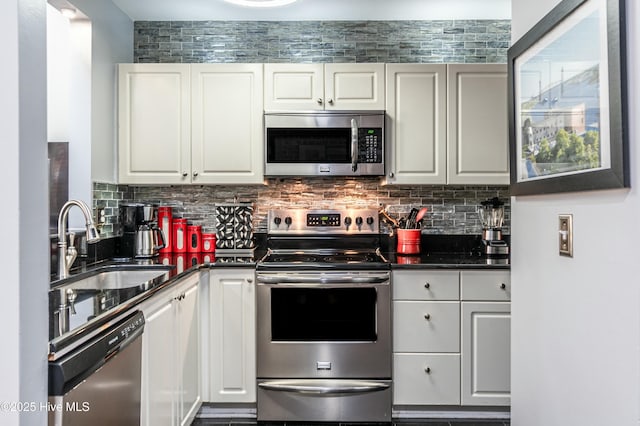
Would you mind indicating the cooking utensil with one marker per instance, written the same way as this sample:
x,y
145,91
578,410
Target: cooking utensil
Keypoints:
x,y
411,220
390,220
421,214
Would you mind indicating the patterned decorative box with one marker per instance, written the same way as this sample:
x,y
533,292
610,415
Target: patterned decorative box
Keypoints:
x,y
234,229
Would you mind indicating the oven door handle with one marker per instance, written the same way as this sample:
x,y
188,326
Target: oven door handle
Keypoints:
x,y
298,279
324,387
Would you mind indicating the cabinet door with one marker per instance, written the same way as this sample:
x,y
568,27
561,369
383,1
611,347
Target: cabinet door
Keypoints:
x,y
477,134
294,87
188,315
158,366
486,356
154,127
416,128
354,86
426,379
233,335
426,326
227,131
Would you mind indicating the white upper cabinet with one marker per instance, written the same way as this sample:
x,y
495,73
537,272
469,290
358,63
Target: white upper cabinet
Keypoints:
x,y
447,124
183,123
154,123
416,126
226,117
478,127
312,87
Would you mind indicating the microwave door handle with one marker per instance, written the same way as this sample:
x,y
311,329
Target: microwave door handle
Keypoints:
x,y
354,145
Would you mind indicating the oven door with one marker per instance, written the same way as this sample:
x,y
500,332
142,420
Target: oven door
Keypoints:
x,y
324,144
324,325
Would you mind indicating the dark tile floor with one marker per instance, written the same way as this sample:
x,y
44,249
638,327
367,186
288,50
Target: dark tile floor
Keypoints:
x,y
404,422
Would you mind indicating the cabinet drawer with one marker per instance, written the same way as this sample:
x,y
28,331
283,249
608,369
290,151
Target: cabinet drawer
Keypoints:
x,y
426,326
425,285
485,285
426,379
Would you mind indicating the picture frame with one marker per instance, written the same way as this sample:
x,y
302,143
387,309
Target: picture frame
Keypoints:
x,y
567,101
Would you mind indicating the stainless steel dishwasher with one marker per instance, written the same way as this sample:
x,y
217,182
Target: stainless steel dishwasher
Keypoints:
x,y
98,382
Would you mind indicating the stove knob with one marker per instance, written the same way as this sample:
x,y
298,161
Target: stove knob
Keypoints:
x,y
347,221
287,221
358,221
369,220
277,220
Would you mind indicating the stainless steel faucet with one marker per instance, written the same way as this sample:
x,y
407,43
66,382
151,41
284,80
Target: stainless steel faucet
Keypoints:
x,y
67,254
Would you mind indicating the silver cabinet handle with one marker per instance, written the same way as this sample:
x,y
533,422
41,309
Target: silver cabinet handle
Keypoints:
x,y
427,370
249,280
427,286
185,174
331,101
503,286
427,317
319,101
391,174
195,174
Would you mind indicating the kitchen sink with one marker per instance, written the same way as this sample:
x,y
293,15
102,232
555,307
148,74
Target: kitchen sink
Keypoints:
x,y
116,277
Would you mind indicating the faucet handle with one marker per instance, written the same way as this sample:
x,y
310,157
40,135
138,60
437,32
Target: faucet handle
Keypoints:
x,y
71,300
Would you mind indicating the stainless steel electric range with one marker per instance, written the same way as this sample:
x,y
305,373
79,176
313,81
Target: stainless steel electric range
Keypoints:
x,y
324,318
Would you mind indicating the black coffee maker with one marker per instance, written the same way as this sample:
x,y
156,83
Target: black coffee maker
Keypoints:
x,y
139,225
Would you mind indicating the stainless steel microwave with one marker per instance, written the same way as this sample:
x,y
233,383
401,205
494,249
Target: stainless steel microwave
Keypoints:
x,y
324,143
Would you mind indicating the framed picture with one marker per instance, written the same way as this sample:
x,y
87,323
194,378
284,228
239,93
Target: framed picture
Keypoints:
x,y
567,101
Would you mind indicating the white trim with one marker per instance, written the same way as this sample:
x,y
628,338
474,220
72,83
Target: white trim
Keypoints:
x,y
453,414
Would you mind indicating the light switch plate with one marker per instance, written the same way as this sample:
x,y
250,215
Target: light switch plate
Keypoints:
x,y
565,235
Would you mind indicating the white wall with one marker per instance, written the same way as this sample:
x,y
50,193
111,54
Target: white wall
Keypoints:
x,y
576,321
24,255
112,43
69,100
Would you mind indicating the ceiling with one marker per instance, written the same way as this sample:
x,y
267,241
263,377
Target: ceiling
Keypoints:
x,y
218,10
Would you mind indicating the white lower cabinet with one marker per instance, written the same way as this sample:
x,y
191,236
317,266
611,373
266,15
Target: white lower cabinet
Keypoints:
x,y
451,342
171,356
232,323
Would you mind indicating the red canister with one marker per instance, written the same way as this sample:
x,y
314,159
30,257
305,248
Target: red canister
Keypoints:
x,y
179,240
194,238
165,223
208,243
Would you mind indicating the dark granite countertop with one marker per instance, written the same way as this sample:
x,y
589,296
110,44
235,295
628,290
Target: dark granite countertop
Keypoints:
x,y
437,252
444,252
101,308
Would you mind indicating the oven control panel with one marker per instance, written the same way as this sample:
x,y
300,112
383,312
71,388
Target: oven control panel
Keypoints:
x,y
323,222
319,219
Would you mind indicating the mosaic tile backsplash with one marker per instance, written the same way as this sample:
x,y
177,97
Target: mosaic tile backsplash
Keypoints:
x,y
442,41
452,209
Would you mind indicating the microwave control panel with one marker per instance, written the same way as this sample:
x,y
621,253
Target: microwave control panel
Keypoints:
x,y
370,145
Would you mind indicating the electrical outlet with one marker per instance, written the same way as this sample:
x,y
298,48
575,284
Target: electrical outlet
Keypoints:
x,y
565,235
